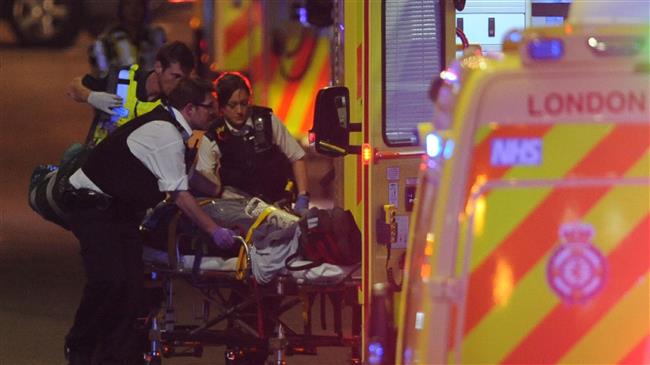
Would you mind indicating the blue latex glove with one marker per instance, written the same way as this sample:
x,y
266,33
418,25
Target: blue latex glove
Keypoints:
x,y
223,238
301,205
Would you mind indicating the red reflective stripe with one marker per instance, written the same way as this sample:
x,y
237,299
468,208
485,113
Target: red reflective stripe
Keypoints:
x,y
640,354
359,179
566,324
239,28
366,175
260,67
321,82
539,241
481,161
300,62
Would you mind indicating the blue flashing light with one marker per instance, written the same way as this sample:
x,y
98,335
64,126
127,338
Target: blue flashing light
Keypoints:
x,y
546,49
433,145
448,151
154,275
449,75
375,353
302,16
515,36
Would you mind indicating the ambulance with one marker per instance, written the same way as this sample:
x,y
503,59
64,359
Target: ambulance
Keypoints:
x,y
530,238
481,241
370,63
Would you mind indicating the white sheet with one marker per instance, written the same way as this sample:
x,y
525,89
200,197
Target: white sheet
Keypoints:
x,y
320,275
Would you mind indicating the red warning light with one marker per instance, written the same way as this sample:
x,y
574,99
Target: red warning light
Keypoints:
x,y
366,153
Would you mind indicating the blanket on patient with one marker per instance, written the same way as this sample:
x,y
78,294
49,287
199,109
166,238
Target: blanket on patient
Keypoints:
x,y
274,240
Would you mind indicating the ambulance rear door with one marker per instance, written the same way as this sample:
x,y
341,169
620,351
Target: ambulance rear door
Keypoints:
x,y
536,249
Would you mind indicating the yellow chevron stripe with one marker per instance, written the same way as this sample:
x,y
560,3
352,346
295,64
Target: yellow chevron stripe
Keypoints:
x,y
277,86
620,210
495,336
232,13
564,146
641,168
307,90
531,299
612,337
239,58
482,134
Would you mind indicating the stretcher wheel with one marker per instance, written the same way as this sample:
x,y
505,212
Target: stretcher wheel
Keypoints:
x,y
239,356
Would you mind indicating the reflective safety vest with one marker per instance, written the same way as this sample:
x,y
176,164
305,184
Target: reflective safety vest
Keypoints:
x,y
123,83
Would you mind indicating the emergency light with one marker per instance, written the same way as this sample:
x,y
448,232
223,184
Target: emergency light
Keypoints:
x,y
375,353
433,145
546,49
366,153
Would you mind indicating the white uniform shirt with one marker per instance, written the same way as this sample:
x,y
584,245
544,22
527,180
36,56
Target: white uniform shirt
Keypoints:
x,y
208,154
160,147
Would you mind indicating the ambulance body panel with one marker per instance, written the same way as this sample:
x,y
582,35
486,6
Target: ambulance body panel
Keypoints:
x,y
531,240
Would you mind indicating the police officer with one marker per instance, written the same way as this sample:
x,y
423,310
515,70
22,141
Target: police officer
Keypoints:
x,y
129,172
249,148
142,89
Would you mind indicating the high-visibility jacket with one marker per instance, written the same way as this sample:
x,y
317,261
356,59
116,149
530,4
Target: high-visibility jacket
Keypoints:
x,y
125,85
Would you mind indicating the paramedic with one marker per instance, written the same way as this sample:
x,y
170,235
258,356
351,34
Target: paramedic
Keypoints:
x,y
173,61
123,176
248,148
128,42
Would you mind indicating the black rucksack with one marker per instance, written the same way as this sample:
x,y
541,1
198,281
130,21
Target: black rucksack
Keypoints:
x,y
328,236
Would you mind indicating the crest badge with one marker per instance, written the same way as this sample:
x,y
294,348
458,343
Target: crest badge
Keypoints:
x,y
576,270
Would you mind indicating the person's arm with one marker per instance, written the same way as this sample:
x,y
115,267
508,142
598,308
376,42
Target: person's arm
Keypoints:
x,y
82,90
205,175
189,206
294,152
77,91
222,237
203,185
300,173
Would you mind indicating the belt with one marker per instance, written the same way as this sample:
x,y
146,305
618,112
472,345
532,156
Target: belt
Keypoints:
x,y
85,199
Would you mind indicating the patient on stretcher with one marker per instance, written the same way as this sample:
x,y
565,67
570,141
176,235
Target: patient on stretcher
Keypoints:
x,y
322,244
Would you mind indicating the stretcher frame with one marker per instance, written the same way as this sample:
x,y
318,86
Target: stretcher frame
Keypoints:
x,y
265,332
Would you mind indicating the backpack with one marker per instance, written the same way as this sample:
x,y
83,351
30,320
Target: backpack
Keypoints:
x,y
328,236
48,183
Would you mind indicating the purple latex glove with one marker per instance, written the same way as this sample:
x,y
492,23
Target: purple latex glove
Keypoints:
x,y
301,205
223,238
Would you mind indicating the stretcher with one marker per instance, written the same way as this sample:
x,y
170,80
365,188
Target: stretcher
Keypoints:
x,y
250,319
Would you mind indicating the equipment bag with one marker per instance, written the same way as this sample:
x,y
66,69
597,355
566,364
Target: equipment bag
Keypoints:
x,y
48,182
328,236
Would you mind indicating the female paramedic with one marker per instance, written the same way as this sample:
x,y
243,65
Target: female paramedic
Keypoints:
x,y
248,148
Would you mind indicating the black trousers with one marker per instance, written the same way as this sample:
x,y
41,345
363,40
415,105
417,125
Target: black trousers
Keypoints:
x,y
104,328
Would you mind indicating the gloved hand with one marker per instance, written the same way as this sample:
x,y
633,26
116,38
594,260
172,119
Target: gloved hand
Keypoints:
x,y
223,238
302,204
104,101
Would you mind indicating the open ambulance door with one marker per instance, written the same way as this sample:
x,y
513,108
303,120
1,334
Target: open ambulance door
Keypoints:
x,y
389,52
282,46
532,244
